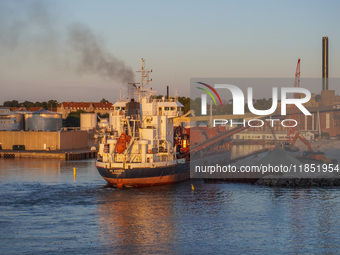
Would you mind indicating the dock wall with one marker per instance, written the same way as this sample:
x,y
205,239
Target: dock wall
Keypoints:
x,y
37,140
74,140
70,155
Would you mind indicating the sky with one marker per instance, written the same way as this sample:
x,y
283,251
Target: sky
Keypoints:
x,y
72,50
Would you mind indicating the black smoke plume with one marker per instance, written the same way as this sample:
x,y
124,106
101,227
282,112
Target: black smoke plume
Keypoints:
x,y
28,29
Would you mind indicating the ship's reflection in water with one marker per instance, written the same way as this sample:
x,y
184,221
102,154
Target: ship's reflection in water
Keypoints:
x,y
164,219
138,220
217,218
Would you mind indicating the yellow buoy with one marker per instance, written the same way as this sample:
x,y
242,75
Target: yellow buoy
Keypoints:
x,y
192,187
74,173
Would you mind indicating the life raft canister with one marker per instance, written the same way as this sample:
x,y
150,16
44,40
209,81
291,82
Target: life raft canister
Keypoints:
x,y
123,140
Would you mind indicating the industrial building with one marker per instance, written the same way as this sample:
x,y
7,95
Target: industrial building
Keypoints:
x,y
65,108
40,130
324,108
30,121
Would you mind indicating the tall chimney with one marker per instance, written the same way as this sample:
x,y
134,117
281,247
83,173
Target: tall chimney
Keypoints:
x,y
167,92
325,63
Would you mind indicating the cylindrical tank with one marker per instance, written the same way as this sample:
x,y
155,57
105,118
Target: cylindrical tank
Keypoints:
x,y
20,119
43,121
88,121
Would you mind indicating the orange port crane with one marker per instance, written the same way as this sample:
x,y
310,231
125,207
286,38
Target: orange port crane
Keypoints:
x,y
302,139
296,95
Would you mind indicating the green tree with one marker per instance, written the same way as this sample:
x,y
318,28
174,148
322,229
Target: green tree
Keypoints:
x,y
185,101
195,105
73,119
105,115
28,104
52,104
13,103
38,104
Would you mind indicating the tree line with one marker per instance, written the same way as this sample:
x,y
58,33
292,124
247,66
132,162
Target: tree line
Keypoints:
x,y
187,102
28,104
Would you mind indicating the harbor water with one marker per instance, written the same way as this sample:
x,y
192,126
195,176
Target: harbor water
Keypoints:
x,y
43,210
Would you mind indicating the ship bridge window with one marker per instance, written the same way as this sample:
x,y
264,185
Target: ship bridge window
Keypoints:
x,y
166,108
123,108
172,108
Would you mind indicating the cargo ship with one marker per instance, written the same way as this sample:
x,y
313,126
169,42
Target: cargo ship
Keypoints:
x,y
141,146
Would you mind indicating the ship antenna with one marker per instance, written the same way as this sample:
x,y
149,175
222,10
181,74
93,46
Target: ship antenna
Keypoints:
x,y
145,80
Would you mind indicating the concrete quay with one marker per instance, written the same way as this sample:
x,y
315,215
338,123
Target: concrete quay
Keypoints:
x,y
64,155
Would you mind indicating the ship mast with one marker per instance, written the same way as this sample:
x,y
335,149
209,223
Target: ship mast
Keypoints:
x,y
144,90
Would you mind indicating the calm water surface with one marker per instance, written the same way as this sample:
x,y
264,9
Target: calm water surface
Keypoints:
x,y
44,210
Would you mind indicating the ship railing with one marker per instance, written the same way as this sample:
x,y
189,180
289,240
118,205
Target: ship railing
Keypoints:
x,y
165,100
160,148
149,113
174,113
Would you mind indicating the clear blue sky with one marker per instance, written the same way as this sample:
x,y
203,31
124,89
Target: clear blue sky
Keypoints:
x,y
179,40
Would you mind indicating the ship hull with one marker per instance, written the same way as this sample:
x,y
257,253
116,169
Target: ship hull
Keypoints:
x,y
138,177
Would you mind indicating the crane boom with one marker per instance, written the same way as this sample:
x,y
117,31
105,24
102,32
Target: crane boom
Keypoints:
x,y
303,139
296,95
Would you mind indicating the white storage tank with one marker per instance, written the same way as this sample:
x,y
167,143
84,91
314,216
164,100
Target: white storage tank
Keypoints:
x,y
88,121
43,120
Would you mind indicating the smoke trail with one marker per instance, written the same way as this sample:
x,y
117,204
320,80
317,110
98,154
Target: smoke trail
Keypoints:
x,y
28,29
93,57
